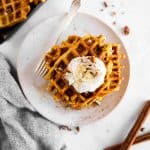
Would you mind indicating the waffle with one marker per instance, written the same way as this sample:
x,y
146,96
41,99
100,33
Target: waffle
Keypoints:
x,y
14,11
59,57
37,1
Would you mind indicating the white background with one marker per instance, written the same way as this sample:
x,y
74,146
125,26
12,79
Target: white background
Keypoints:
x,y
134,13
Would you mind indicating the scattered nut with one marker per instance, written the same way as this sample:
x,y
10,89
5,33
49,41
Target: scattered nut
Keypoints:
x,y
114,22
105,4
113,13
78,129
126,30
142,129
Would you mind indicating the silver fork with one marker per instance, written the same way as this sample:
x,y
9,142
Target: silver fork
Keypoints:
x,y
40,69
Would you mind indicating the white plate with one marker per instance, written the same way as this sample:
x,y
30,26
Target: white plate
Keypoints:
x,y
36,43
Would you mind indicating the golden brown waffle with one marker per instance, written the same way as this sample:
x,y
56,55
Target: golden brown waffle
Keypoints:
x,y
60,56
37,1
14,11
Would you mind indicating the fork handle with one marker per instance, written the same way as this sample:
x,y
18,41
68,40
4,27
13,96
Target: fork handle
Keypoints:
x,y
68,19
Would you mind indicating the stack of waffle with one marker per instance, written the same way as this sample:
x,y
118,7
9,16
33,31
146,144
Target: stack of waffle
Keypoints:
x,y
13,12
60,56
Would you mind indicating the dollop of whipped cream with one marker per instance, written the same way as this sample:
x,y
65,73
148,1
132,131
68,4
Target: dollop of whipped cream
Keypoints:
x,y
86,73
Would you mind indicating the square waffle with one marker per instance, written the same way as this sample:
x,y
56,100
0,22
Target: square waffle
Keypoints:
x,y
14,11
59,57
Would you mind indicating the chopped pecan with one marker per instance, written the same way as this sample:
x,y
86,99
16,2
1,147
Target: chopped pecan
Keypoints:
x,y
126,30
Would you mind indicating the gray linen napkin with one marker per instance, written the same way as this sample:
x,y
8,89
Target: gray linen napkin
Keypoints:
x,y
21,128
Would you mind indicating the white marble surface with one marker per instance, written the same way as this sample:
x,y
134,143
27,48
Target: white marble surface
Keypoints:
x,y
113,128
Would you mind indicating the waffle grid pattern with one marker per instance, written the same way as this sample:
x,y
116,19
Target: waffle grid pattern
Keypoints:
x,y
14,11
60,56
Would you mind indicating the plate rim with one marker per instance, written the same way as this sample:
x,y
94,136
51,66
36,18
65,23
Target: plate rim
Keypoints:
x,y
110,28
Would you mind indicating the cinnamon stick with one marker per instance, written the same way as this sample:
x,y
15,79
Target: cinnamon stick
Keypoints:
x,y
137,126
139,139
